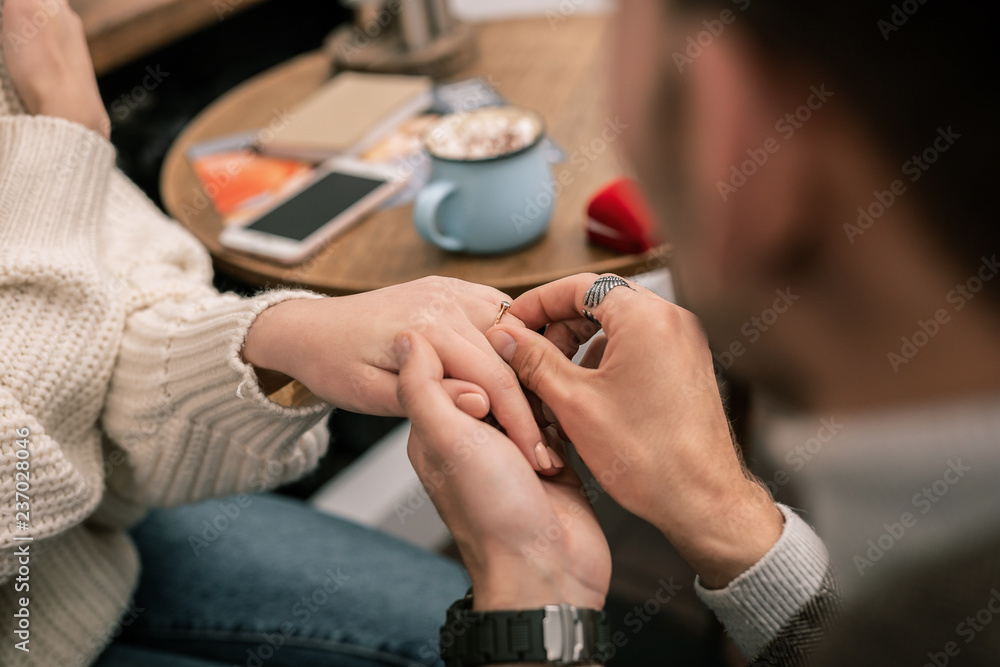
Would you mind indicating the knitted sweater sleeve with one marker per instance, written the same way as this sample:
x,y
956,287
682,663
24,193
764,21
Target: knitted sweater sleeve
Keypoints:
x,y
779,611
57,330
185,415
114,322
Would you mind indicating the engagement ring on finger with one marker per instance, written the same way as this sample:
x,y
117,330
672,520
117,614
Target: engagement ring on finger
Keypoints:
x,y
504,307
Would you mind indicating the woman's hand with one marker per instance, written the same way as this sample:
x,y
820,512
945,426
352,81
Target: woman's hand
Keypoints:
x,y
342,350
646,417
45,50
527,541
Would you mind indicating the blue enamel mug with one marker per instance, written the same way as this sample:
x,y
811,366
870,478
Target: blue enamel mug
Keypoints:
x,y
490,186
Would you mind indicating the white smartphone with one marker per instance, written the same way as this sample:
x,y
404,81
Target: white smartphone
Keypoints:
x,y
341,193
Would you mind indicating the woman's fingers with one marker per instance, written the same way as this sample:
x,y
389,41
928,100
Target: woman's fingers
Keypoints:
x,y
421,393
465,360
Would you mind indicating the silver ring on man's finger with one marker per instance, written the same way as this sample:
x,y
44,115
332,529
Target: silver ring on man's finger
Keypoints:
x,y
595,295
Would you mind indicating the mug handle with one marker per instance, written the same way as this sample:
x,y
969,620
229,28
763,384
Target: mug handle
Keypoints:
x,y
425,214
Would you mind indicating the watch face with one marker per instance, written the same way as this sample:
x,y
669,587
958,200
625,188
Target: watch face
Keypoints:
x,y
555,635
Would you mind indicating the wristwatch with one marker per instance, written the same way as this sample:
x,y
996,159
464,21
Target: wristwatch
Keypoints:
x,y
557,634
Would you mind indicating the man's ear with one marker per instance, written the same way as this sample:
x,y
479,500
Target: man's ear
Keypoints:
x,y
754,136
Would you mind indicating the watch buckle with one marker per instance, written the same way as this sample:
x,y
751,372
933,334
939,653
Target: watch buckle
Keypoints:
x,y
562,634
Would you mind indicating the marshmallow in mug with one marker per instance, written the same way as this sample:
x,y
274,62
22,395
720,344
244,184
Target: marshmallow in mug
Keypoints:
x,y
483,133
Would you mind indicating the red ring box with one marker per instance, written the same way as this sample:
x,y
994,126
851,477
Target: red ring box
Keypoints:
x,y
619,218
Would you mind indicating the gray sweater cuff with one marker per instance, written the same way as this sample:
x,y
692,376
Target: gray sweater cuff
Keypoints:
x,y
756,605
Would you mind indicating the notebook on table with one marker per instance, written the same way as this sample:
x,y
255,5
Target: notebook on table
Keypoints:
x,y
349,114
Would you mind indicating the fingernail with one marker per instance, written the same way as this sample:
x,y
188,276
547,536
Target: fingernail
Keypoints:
x,y
504,344
555,458
472,404
542,457
548,414
402,348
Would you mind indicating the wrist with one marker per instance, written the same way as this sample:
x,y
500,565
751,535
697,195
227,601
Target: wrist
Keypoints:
x,y
524,584
740,527
268,347
81,111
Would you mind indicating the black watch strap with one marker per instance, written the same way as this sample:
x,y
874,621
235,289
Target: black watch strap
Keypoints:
x,y
556,634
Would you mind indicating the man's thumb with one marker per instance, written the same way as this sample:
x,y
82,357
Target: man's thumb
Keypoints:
x,y
420,374
540,366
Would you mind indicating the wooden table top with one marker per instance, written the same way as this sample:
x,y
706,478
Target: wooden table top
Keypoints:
x,y
559,72
119,31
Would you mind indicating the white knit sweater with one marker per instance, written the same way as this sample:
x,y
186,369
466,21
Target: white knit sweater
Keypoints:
x,y
123,363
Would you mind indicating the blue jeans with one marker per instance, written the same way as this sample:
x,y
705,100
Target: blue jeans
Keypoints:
x,y
265,581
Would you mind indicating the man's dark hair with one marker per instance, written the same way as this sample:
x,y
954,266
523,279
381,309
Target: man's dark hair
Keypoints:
x,y
909,67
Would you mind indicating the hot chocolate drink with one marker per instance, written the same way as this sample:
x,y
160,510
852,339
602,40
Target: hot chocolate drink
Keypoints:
x,y
483,134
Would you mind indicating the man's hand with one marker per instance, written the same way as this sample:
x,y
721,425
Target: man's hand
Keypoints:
x,y
646,417
45,50
526,541
342,350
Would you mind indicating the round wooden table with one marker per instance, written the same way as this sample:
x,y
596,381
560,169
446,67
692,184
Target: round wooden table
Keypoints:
x,y
557,70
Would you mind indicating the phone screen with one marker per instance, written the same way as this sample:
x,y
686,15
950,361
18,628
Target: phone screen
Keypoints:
x,y
315,206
